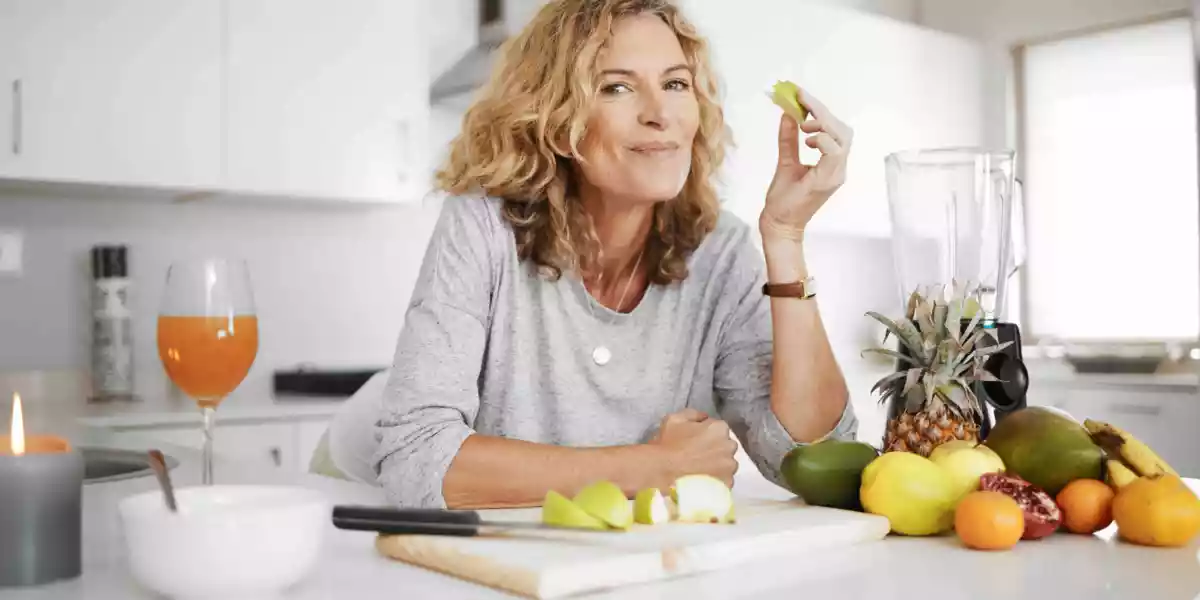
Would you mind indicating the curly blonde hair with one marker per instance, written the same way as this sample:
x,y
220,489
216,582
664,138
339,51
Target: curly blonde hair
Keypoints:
x,y
520,139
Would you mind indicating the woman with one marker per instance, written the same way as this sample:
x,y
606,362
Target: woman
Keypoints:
x,y
585,309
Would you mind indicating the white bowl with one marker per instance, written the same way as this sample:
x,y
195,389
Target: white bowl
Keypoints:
x,y
226,541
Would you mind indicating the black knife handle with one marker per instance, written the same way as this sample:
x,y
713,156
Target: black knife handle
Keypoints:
x,y
419,521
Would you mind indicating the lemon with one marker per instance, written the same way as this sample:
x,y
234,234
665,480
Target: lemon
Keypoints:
x,y
965,461
915,494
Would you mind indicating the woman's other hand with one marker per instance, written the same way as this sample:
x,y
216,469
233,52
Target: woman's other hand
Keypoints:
x,y
798,190
692,443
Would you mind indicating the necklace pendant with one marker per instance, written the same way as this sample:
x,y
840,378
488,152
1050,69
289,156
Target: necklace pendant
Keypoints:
x,y
601,355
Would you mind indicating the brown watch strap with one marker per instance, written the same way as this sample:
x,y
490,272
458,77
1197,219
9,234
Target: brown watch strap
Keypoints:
x,y
796,289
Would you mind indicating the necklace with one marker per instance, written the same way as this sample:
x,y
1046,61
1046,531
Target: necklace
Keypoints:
x,y
601,354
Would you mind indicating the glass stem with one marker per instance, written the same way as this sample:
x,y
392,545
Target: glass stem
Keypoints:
x,y
208,413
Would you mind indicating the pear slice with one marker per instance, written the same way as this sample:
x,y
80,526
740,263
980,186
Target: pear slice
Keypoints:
x,y
605,501
650,507
558,510
786,95
703,499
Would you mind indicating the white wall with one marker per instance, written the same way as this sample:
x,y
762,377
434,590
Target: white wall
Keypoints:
x,y
900,86
1013,21
331,281
904,10
1003,25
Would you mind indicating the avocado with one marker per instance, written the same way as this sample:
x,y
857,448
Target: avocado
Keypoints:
x,y
828,473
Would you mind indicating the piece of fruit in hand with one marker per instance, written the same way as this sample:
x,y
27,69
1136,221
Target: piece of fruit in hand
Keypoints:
x,y
786,95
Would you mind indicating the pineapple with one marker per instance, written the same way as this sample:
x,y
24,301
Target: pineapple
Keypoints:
x,y
937,371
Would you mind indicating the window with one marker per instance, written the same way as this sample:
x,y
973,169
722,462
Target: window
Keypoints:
x,y
1110,146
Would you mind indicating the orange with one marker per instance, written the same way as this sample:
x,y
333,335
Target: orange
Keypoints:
x,y
989,521
1086,505
1157,511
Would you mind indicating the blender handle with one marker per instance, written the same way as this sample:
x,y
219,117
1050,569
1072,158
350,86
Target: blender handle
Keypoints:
x,y
1017,226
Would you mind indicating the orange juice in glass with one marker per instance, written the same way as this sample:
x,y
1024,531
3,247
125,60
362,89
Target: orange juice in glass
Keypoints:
x,y
207,335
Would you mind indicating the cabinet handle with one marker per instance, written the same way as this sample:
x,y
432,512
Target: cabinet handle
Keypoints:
x,y
277,456
16,116
1136,409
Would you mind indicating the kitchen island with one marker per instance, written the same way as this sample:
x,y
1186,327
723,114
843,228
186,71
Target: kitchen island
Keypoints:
x,y
1061,566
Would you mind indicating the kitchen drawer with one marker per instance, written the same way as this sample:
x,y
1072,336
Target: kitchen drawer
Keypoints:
x,y
308,435
265,444
1164,420
1053,398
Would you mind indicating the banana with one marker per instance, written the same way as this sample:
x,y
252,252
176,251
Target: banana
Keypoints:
x,y
1118,475
1132,451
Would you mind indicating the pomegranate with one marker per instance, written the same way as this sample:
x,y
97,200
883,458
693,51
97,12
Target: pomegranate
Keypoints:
x,y
1042,515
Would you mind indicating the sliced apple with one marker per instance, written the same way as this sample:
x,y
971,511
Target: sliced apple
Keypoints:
x,y
605,501
560,511
786,95
703,499
650,507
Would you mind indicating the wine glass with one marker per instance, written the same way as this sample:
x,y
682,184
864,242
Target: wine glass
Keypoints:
x,y
207,335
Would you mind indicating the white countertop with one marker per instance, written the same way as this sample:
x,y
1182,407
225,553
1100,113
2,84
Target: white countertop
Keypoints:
x,y
1062,566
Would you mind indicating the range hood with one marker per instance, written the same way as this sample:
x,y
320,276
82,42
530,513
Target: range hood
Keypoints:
x,y
497,20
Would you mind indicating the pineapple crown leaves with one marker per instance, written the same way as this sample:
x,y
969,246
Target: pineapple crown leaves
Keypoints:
x,y
941,357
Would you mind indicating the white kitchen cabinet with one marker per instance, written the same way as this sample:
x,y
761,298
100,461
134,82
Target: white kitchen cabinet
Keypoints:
x,y
9,88
280,443
326,99
1163,416
308,436
265,444
112,92
1165,419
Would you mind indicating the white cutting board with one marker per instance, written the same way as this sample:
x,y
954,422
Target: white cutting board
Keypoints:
x,y
554,564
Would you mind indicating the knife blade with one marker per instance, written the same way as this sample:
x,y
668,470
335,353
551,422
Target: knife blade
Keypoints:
x,y
434,521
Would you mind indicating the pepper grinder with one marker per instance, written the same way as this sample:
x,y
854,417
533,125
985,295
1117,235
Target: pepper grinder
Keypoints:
x,y
112,325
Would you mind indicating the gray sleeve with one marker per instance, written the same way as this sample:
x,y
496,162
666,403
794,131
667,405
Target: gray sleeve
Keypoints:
x,y
432,396
742,376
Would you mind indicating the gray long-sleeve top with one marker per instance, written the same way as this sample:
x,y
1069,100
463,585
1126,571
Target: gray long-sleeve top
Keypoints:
x,y
490,346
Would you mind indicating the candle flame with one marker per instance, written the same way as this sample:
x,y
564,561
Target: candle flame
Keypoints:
x,y
18,427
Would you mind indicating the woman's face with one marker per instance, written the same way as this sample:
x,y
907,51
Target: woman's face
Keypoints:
x,y
638,146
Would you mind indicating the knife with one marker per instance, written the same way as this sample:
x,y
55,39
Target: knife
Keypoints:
x,y
433,521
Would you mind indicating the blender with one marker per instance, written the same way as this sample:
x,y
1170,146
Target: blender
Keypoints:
x,y
952,215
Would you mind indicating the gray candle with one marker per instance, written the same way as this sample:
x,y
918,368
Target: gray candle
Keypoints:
x,y
41,485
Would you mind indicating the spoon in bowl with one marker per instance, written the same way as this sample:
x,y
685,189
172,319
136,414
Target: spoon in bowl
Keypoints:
x,y
159,464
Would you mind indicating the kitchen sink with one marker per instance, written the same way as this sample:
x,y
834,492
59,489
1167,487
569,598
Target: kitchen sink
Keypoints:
x,y
111,464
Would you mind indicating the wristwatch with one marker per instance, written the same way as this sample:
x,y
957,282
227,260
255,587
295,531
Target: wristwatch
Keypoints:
x,y
804,289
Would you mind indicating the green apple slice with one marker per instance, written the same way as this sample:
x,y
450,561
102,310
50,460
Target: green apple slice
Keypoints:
x,y
703,499
605,501
559,511
786,95
650,507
